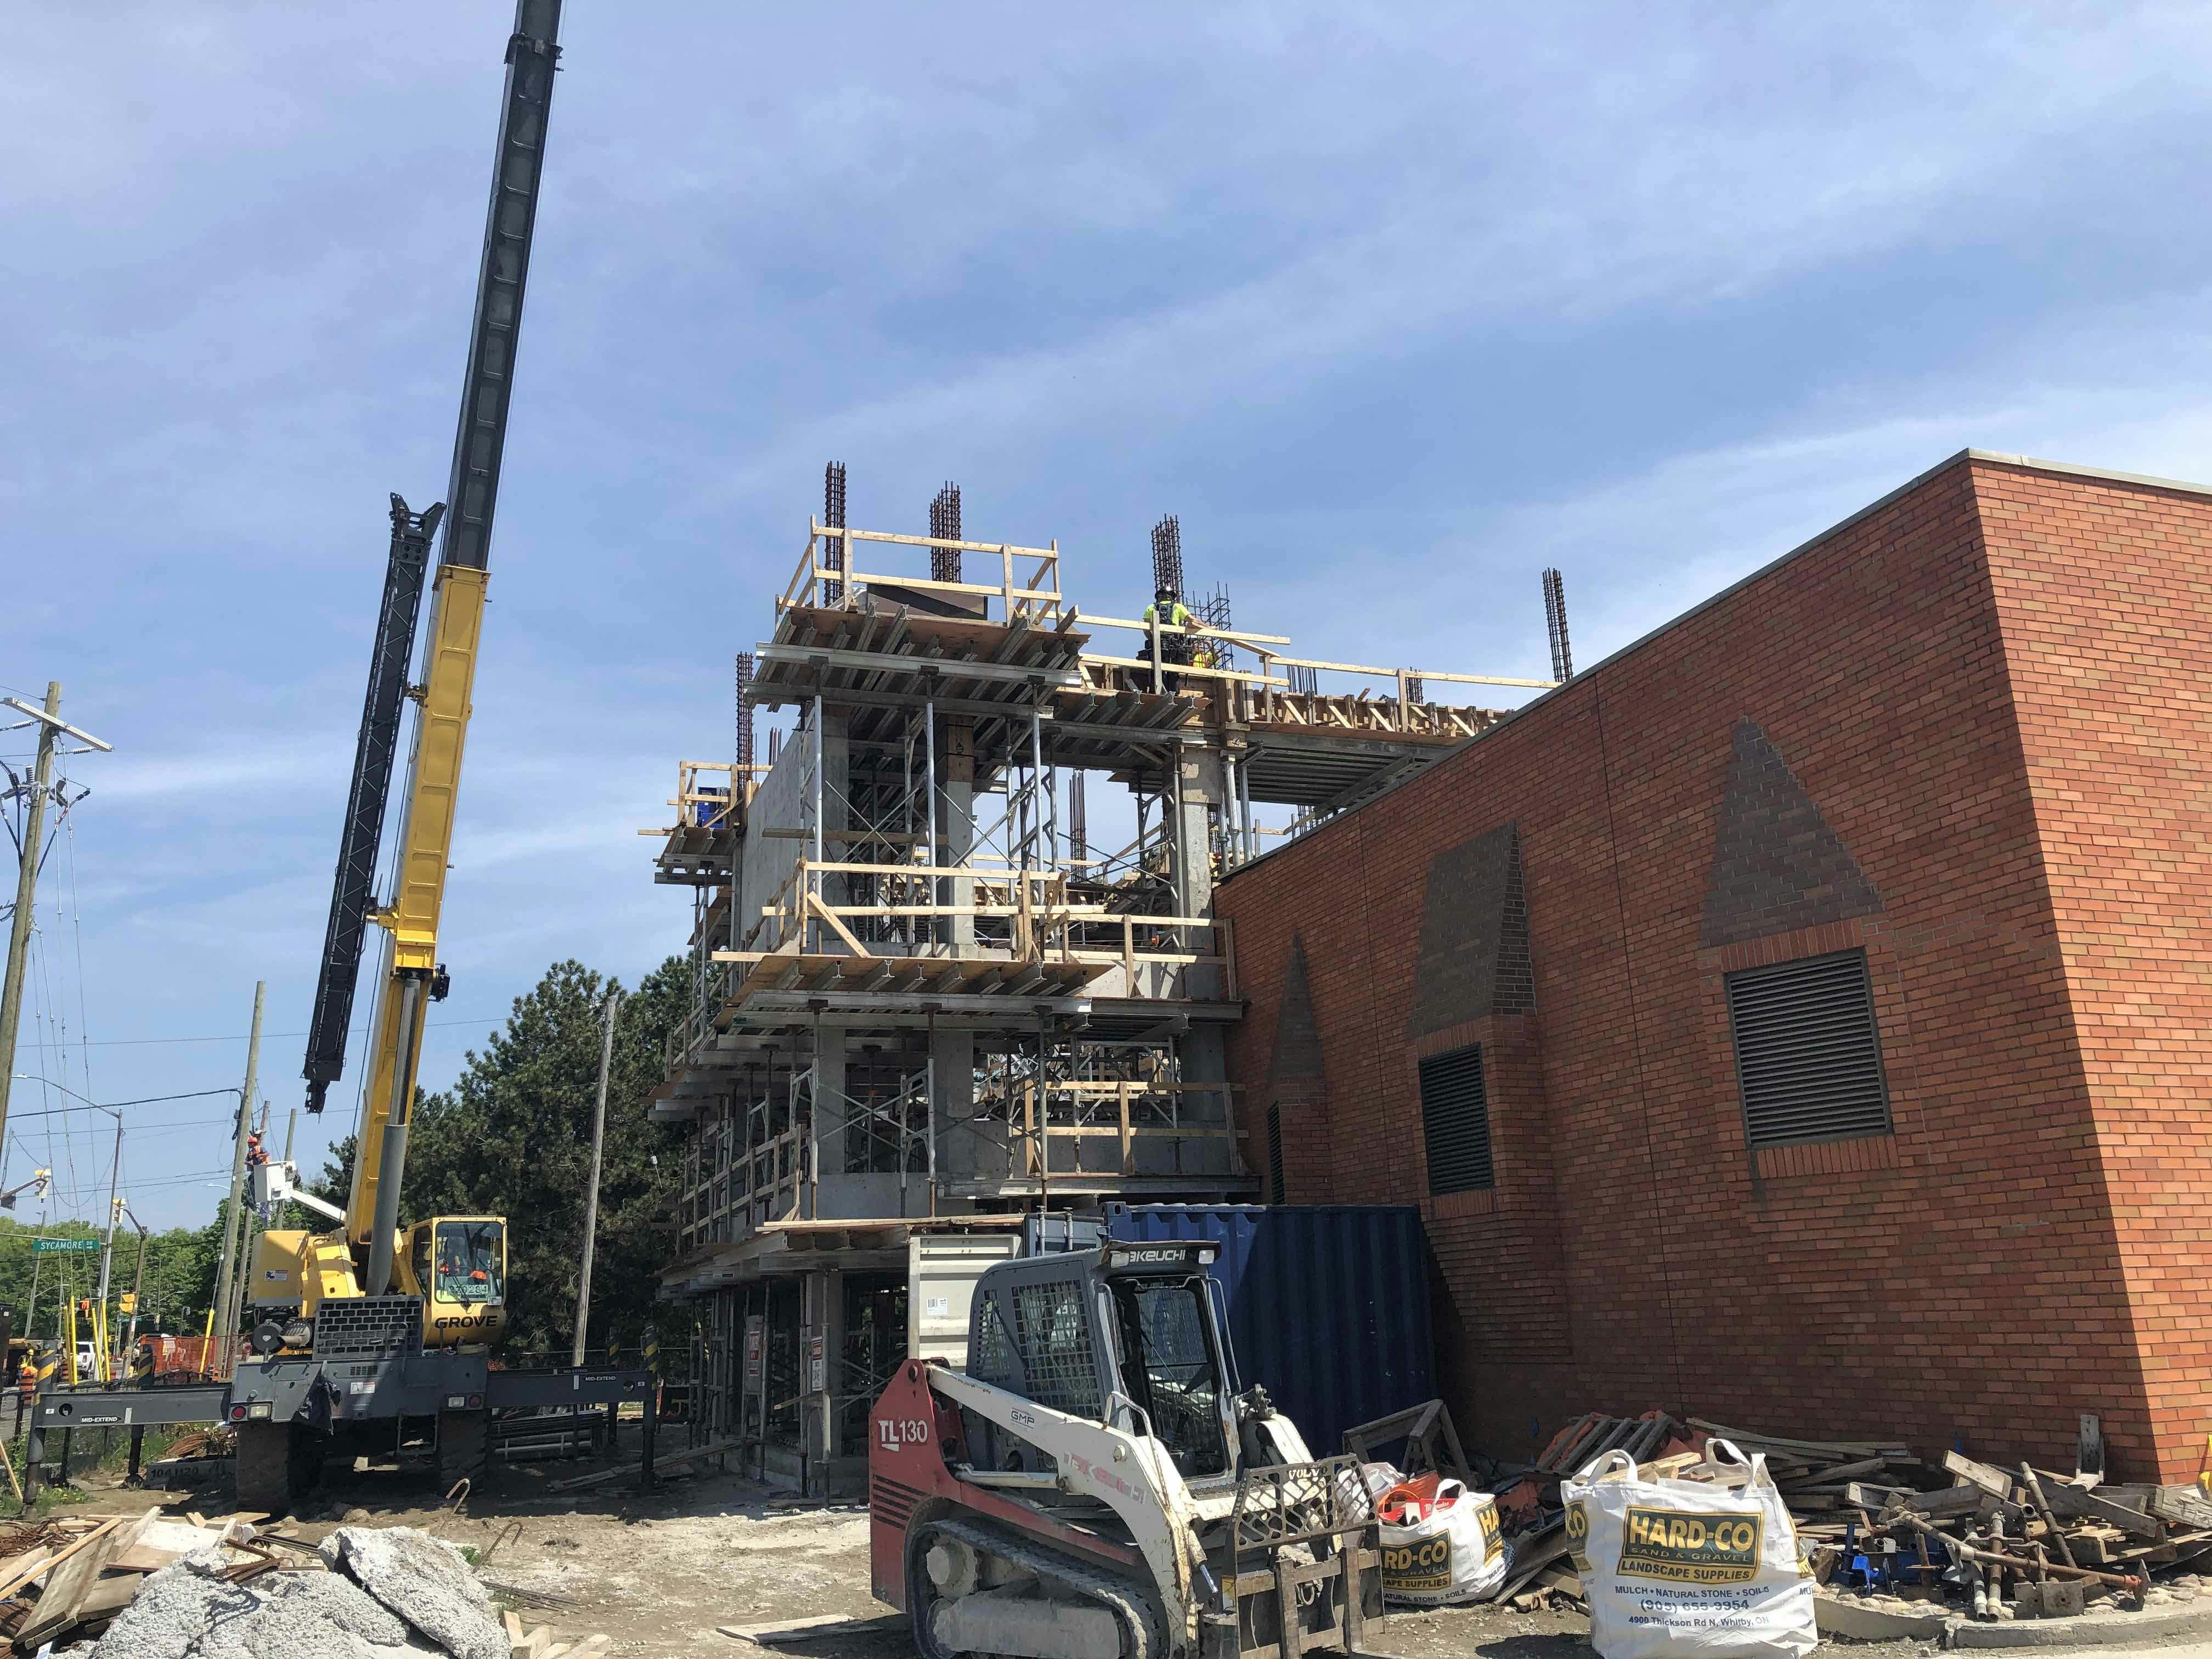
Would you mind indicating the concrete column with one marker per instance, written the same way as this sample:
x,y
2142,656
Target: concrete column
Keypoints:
x,y
823,1319
1200,788
963,1153
955,760
829,1117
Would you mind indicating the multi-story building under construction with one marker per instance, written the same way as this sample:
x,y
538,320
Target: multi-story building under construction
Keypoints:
x,y
931,1010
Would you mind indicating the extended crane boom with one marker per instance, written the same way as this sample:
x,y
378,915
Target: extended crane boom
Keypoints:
x,y
374,753
375,1341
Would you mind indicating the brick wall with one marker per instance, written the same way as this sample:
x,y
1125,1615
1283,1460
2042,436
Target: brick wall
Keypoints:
x,y
1824,758
2104,597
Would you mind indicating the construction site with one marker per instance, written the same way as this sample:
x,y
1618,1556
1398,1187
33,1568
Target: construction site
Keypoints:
x,y
1151,1137
932,1012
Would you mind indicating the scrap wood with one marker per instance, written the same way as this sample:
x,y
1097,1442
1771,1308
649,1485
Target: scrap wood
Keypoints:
x,y
72,1575
2078,1502
1994,1481
25,1574
21,1570
1814,1449
1531,1559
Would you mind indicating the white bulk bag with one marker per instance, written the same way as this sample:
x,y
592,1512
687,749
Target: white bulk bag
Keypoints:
x,y
1678,1569
1455,1555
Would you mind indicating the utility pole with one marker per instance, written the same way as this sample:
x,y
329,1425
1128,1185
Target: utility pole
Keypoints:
x,y
137,1289
108,1249
592,1190
51,728
225,1280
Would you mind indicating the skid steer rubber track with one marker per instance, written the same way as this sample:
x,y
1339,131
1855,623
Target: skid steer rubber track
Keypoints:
x,y
1142,1636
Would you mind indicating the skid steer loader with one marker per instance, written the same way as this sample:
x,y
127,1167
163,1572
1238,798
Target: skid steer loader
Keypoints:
x,y
1097,1485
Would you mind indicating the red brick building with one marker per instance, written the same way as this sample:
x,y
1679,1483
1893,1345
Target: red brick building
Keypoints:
x,y
1800,1019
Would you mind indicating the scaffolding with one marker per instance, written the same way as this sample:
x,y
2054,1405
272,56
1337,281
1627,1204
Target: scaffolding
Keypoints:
x,y
923,997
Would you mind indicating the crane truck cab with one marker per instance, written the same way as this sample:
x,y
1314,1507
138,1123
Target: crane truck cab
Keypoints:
x,y
455,1264
1099,1484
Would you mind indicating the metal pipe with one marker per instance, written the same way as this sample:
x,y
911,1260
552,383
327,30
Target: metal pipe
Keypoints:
x,y
1232,845
385,1236
939,927
1036,785
1988,1557
1244,808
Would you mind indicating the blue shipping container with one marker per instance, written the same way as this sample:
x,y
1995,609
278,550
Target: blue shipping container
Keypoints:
x,y
1329,1304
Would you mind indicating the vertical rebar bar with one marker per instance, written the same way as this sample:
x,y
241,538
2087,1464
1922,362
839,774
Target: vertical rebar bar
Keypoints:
x,y
944,525
1555,623
834,548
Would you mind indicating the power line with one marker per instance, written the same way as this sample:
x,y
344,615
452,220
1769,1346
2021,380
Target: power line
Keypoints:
x,y
132,1042
96,1106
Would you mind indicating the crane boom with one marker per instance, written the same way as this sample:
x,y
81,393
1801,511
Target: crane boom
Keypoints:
x,y
410,973
480,443
374,752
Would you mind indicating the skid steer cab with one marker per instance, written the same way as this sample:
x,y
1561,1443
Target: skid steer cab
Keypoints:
x,y
1099,1484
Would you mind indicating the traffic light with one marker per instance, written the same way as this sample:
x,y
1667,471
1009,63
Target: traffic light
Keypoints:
x,y
127,1302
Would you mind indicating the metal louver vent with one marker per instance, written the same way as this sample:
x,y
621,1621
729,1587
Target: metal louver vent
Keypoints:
x,y
1275,1155
1455,1122
1808,1057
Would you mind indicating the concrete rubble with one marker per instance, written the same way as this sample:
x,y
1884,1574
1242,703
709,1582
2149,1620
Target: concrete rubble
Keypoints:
x,y
388,1594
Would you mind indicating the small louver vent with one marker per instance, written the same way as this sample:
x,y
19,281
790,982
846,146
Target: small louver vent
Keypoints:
x,y
1275,1154
1808,1057
1455,1122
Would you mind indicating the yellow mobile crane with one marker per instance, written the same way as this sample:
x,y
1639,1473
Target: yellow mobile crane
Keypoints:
x,y
379,1338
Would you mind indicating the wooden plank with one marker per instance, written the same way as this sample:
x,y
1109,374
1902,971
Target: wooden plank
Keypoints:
x,y
1994,1481
1839,1472
113,1593
1962,1500
1861,1495
2185,1506
1748,1440
74,1573
2072,1501
21,1570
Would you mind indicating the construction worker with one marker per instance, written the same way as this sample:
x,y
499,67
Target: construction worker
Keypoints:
x,y
1168,609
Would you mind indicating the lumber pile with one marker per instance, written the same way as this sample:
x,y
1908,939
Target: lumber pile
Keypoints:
x,y
1872,1516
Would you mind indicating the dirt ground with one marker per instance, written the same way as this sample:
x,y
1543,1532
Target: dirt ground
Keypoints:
x,y
659,1573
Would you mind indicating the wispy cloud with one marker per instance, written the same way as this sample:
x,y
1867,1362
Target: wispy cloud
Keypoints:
x,y
1407,302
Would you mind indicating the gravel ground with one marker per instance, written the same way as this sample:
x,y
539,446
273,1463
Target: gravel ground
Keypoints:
x,y
658,1574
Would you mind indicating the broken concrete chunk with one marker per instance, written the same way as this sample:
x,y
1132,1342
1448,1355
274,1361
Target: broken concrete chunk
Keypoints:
x,y
186,1612
424,1580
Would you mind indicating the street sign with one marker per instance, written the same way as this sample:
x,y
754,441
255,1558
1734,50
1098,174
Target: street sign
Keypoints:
x,y
64,1246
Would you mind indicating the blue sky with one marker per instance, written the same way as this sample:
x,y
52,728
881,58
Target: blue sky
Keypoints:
x,y
1394,307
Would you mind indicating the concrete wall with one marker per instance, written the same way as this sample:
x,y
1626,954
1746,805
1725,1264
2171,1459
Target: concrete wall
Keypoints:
x,y
1827,757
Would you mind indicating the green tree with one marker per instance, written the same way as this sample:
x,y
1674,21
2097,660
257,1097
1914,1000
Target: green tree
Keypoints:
x,y
512,1137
